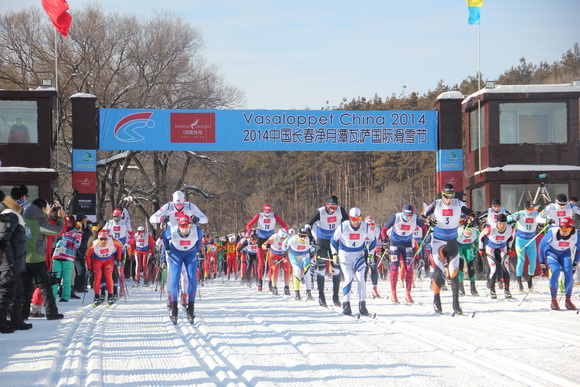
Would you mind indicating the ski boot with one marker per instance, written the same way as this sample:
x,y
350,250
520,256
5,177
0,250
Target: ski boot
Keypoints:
x,y
322,301
16,320
346,308
136,284
408,297
110,300
97,301
184,300
309,296
376,292
320,284
554,305
474,290
461,289
492,295
5,326
287,290
507,293
190,315
530,283
297,295
270,287
362,308
259,285
569,304
520,284
456,307
173,313
275,290
336,301
394,296
437,304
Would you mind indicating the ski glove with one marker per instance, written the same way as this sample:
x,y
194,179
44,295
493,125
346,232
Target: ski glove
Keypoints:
x,y
544,268
194,219
163,265
164,219
550,221
119,264
334,259
516,217
432,222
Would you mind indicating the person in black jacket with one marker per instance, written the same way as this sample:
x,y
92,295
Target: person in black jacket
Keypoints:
x,y
85,226
12,246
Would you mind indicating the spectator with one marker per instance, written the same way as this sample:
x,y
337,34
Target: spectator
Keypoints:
x,y
18,133
35,216
63,258
84,225
20,194
15,259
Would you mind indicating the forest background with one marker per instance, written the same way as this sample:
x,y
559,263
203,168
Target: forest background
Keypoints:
x,y
128,62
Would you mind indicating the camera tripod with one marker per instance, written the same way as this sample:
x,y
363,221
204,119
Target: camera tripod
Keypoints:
x,y
541,193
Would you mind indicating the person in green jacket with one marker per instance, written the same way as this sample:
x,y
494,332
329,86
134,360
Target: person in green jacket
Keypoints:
x,y
39,225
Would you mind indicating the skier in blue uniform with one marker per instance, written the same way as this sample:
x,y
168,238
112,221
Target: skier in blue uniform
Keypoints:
x,y
181,246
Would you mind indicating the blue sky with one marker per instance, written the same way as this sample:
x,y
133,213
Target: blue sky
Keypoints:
x,y
300,54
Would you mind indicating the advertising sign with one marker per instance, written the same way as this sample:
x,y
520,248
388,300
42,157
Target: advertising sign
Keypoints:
x,y
267,130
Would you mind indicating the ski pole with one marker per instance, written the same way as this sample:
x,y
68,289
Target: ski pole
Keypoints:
x,y
533,239
422,242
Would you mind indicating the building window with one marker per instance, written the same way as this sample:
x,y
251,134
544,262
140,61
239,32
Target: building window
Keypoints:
x,y
478,202
476,119
513,196
18,122
533,123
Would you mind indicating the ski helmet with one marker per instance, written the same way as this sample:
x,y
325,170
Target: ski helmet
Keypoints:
x,y
184,220
140,228
408,210
332,201
448,191
267,208
282,233
355,214
103,234
370,220
561,199
566,222
495,202
501,218
117,212
302,232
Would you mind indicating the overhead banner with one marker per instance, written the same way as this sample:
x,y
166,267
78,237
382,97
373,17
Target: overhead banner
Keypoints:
x,y
267,130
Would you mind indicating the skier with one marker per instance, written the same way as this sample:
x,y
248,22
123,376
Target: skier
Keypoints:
x,y
526,225
277,258
400,229
466,239
325,221
373,255
143,246
555,212
120,229
266,221
445,221
350,242
231,257
494,242
559,250
101,258
170,212
249,249
181,247
299,252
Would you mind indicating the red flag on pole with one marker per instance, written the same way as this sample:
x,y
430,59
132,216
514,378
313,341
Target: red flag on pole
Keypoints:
x,y
57,11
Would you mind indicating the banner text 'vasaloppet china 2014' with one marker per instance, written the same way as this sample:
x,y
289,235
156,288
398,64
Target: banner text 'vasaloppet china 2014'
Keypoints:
x,y
267,130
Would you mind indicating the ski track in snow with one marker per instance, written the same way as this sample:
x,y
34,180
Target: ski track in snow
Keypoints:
x,y
244,337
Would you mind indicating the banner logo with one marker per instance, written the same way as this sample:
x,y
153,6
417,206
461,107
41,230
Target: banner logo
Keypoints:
x,y
192,127
126,129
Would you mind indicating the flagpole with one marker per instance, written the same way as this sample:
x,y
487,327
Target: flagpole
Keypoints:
x,y
479,89
57,114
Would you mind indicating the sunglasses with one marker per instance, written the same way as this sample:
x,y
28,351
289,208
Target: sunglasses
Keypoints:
x,y
332,206
448,196
356,219
102,239
566,229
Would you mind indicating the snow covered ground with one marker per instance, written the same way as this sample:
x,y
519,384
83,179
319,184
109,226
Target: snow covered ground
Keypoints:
x,y
244,337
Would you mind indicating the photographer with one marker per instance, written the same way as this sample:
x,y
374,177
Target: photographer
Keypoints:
x,y
36,215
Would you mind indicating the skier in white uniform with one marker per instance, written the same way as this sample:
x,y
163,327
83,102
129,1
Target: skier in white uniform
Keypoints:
x,y
299,252
352,244
171,211
555,212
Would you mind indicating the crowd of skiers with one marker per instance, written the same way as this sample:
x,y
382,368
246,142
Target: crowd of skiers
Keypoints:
x,y
446,240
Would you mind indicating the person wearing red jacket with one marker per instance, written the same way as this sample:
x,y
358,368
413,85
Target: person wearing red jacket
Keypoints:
x,y
101,257
266,222
143,246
